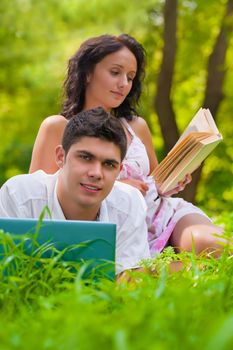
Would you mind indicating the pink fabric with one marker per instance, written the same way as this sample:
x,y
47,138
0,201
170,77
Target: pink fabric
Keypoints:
x,y
162,212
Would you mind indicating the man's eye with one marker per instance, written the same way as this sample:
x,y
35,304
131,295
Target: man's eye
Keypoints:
x,y
84,157
110,165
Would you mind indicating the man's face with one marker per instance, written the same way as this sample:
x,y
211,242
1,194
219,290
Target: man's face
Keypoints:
x,y
87,173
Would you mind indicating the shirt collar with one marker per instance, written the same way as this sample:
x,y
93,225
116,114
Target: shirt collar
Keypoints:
x,y
57,210
103,216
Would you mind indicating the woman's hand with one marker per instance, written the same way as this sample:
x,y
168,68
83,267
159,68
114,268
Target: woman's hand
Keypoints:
x,y
140,185
181,185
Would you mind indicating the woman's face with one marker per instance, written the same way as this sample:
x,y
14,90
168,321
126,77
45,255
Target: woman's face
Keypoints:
x,y
111,81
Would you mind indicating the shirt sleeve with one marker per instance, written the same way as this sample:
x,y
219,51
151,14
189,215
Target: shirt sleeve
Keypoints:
x,y
132,242
8,203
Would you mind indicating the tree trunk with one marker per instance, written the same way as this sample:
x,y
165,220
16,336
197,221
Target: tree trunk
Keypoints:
x,y
214,86
163,103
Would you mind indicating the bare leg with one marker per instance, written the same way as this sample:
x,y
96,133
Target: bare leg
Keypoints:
x,y
197,228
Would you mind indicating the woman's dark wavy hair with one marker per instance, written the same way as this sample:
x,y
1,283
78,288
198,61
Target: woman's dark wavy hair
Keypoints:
x,y
91,52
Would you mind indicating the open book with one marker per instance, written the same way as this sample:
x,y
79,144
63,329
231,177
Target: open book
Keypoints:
x,y
199,138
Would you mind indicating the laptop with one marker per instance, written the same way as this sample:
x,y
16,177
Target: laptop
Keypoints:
x,y
92,242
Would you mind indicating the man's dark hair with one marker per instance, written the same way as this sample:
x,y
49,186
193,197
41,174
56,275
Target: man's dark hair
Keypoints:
x,y
97,123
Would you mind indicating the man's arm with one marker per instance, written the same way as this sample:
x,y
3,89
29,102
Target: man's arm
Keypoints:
x,y
132,243
8,204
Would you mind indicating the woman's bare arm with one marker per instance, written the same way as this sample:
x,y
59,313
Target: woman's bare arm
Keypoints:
x,y
140,127
48,137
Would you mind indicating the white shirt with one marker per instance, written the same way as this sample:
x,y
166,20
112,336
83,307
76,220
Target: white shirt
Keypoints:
x,y
25,196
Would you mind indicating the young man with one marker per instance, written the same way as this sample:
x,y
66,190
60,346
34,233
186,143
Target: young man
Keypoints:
x,y
93,147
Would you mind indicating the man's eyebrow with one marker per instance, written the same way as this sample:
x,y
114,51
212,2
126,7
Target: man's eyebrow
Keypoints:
x,y
84,153
87,153
112,161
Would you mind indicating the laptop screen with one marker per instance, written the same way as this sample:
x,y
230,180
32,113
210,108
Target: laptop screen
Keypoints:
x,y
81,241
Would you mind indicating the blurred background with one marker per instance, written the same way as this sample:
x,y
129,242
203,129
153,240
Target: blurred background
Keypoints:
x,y
189,47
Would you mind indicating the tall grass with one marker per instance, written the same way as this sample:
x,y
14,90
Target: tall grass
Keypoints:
x,y
51,307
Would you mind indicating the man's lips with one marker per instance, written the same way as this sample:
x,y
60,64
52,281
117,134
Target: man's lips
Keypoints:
x,y
91,188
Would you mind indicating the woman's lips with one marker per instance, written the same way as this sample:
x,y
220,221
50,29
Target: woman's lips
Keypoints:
x,y
117,94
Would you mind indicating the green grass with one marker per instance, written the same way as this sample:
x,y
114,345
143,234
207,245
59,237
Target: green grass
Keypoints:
x,y
45,305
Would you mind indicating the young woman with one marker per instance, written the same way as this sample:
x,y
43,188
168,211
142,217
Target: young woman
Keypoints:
x,y
107,71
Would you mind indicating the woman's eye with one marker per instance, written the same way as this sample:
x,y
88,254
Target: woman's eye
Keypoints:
x,y
114,72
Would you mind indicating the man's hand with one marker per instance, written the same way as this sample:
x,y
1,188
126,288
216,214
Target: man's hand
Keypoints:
x,y
130,279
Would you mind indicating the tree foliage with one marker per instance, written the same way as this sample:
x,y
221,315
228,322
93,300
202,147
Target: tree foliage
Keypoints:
x,y
38,37
215,74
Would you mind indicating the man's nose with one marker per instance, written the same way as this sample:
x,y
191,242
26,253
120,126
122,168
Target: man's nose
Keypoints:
x,y
95,170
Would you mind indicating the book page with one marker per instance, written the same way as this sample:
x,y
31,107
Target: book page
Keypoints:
x,y
211,121
184,156
201,122
190,163
178,153
199,138
172,155
172,162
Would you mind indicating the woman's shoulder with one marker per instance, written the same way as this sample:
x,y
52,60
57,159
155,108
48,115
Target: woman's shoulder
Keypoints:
x,y
138,123
54,121
48,137
54,124
139,126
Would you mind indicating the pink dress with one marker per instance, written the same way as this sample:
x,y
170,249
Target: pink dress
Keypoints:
x,y
162,212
